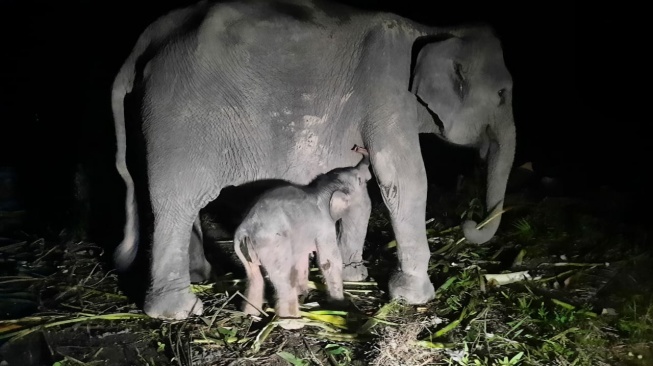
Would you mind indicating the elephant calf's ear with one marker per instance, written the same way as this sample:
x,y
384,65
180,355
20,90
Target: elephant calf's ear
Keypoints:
x,y
365,175
338,205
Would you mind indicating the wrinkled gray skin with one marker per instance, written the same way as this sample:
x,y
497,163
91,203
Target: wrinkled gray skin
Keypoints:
x,y
286,225
245,90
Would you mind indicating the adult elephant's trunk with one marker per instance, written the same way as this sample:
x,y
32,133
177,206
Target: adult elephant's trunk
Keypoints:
x,y
499,159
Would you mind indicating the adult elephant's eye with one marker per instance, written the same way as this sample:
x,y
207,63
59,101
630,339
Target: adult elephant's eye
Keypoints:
x,y
459,83
502,98
458,68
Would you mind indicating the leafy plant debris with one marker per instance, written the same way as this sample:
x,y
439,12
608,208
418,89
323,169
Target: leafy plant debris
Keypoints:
x,y
558,285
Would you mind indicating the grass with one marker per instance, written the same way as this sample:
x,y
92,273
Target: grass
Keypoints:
x,y
557,286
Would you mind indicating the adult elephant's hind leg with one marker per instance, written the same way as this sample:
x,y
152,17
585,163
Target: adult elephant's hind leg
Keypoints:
x,y
169,295
353,227
200,268
401,177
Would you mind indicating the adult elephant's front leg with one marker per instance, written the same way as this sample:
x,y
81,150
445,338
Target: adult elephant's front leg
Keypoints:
x,y
169,295
200,268
398,165
353,228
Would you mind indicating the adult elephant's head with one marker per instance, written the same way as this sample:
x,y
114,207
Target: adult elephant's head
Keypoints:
x,y
462,78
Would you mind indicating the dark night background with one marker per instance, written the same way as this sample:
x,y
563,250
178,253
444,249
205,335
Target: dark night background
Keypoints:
x,y
58,60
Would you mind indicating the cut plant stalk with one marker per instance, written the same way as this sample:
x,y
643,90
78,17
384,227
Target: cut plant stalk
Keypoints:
x,y
493,216
519,259
92,291
433,345
571,264
117,316
378,318
344,337
569,306
222,307
449,327
333,319
507,278
264,334
26,279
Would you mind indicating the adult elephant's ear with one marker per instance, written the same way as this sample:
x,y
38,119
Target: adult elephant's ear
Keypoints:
x,y
438,77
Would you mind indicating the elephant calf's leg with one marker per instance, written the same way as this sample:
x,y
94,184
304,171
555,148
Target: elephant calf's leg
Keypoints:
x,y
248,256
330,262
280,266
353,228
287,304
300,276
255,289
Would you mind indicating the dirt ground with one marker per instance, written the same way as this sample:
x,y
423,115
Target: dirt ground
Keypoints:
x,y
566,281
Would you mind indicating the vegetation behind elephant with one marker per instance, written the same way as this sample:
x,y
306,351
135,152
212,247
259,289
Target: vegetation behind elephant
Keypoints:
x,y
239,91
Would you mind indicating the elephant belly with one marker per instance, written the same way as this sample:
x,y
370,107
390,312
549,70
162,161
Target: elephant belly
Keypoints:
x,y
312,153
216,115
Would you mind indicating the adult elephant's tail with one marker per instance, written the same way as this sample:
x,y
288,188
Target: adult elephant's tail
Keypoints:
x,y
124,82
152,37
126,251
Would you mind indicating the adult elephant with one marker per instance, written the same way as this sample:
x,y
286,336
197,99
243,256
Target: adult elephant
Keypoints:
x,y
234,92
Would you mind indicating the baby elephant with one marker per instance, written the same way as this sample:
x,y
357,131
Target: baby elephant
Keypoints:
x,y
288,223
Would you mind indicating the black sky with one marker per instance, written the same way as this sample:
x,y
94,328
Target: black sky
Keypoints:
x,y
59,58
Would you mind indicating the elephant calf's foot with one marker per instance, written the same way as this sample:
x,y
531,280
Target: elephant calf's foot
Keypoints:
x,y
354,272
412,288
175,305
291,323
250,309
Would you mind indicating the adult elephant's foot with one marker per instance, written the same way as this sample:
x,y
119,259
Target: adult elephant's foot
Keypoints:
x,y
415,289
174,305
354,272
